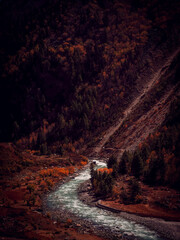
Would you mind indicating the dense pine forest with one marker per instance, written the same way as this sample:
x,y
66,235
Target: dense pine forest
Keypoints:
x,y
69,69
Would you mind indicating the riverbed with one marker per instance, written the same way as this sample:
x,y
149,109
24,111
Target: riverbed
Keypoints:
x,y
64,201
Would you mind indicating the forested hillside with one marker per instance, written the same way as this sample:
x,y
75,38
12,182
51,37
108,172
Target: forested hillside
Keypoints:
x,y
69,68
82,80
156,160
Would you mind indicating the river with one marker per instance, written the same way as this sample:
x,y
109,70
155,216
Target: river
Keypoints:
x,y
65,197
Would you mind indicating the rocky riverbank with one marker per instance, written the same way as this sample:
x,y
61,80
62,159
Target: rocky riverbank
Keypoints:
x,y
166,229
71,221
82,225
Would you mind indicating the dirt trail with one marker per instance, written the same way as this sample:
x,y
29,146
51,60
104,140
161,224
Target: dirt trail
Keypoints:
x,y
155,77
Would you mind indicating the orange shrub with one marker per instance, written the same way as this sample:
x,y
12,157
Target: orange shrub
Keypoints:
x,y
54,172
108,170
83,163
43,185
50,183
84,160
71,169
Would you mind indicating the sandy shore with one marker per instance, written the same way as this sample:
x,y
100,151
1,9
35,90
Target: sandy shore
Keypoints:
x,y
169,230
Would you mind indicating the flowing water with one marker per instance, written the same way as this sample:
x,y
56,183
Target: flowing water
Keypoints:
x,y
66,198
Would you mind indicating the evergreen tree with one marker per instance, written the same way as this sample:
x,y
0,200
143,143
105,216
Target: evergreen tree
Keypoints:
x,y
41,138
91,106
112,161
33,144
123,163
134,189
60,126
155,172
16,131
61,121
86,108
145,151
85,122
137,165
102,183
43,148
60,150
115,171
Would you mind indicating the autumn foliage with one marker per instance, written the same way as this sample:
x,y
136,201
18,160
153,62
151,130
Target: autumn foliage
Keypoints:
x,y
80,62
56,172
107,170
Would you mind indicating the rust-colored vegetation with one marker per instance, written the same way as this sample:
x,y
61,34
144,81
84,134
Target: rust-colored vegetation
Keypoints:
x,y
21,193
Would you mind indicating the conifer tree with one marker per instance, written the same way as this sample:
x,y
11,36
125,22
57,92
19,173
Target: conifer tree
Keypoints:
x,y
112,161
16,130
145,151
61,121
137,165
86,108
123,163
85,122
43,148
41,138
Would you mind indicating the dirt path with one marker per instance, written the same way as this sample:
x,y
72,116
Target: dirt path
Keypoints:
x,y
154,79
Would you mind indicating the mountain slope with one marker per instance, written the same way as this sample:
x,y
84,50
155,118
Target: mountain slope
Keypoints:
x,y
138,130
78,66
